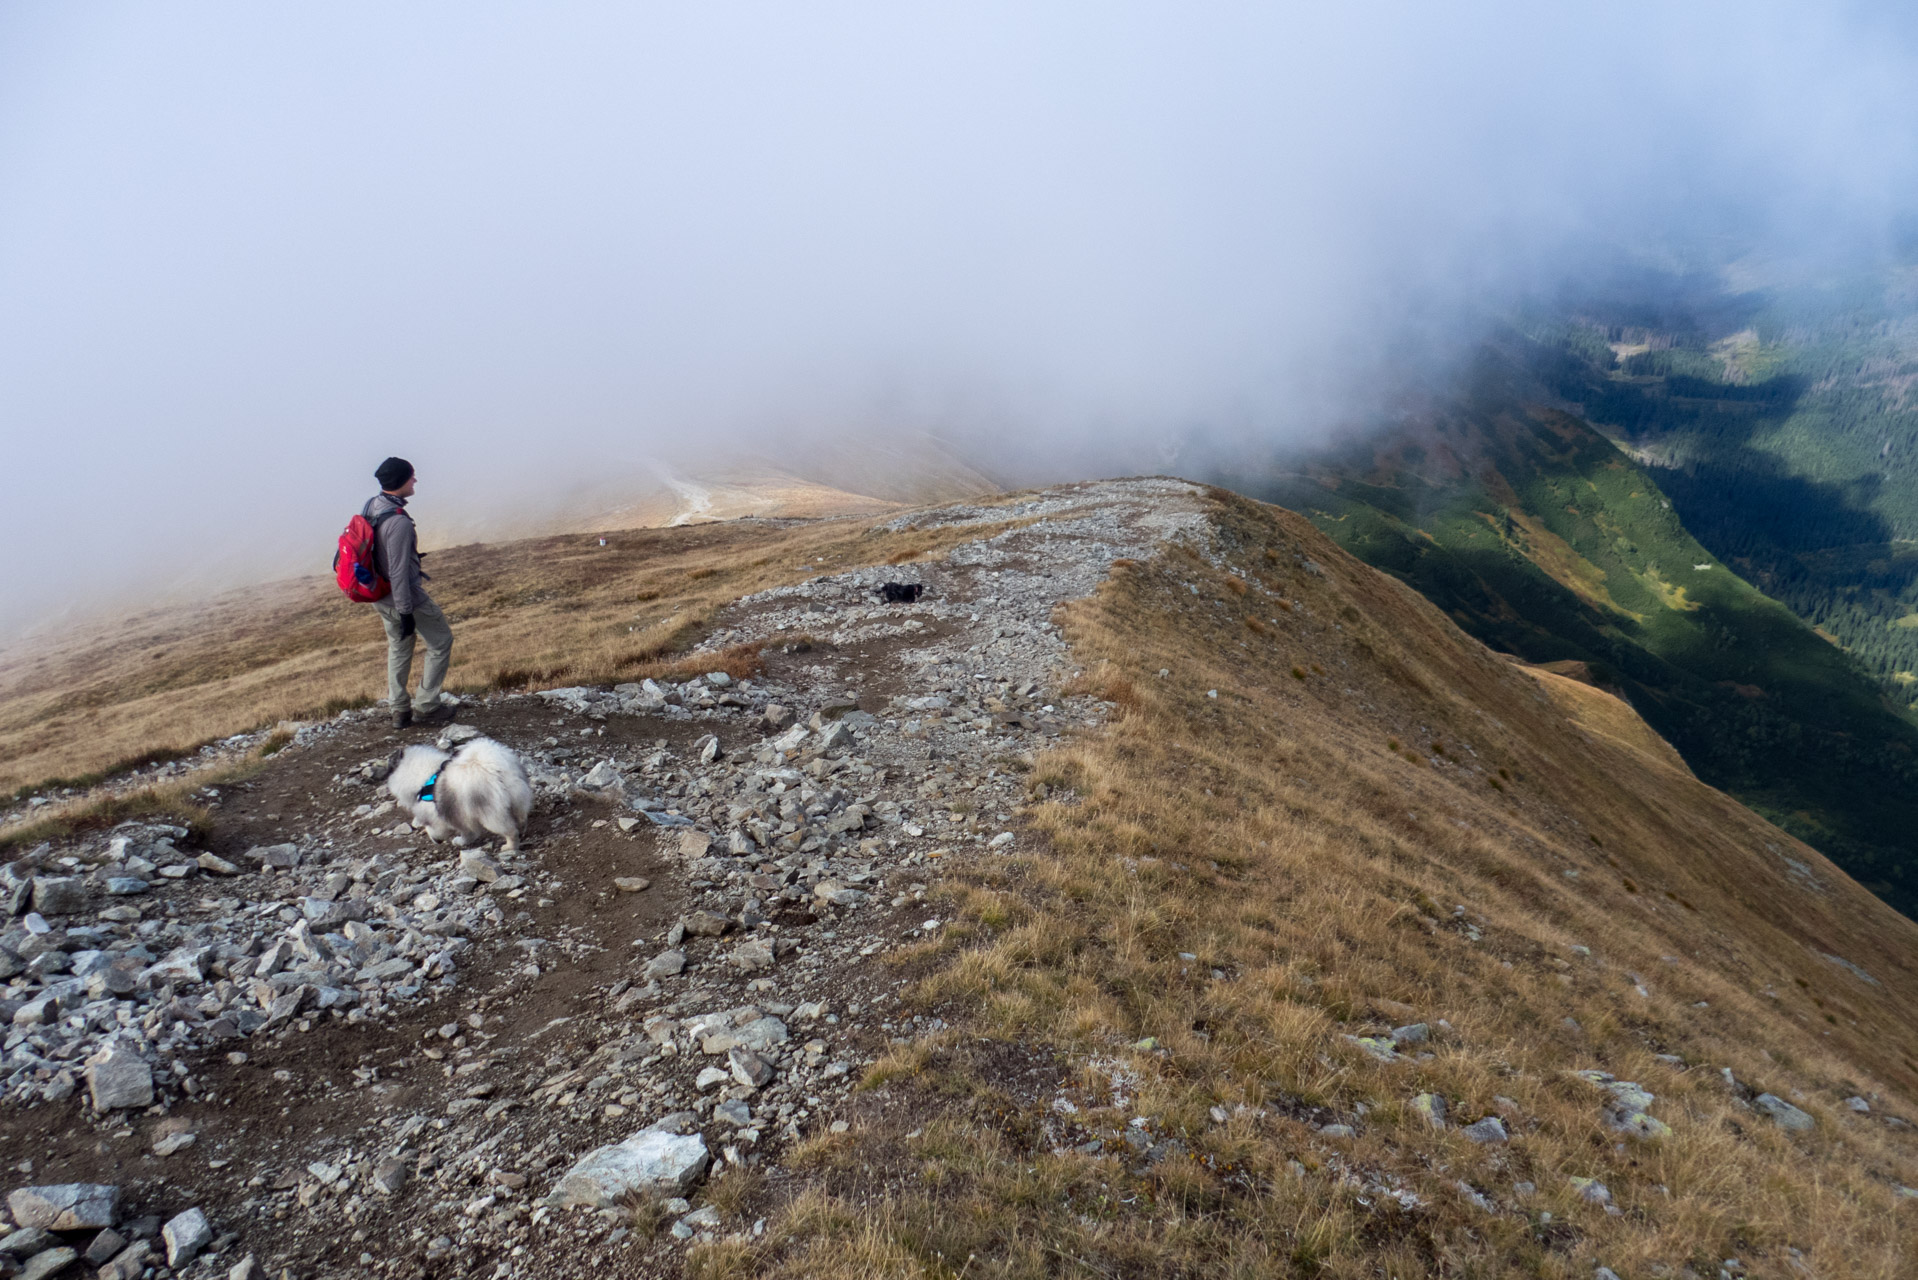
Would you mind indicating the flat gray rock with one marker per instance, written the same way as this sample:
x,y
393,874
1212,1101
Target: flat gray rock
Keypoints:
x,y
50,1262
68,1206
1490,1129
1783,1113
649,1161
28,1241
758,1035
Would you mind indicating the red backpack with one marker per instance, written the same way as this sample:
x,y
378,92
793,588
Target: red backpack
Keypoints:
x,y
356,565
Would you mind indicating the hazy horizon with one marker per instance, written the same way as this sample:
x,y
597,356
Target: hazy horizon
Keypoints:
x,y
246,252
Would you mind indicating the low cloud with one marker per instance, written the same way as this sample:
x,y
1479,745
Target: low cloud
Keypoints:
x,y
247,251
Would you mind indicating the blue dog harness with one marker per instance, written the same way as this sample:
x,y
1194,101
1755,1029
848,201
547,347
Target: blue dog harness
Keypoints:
x,y
426,792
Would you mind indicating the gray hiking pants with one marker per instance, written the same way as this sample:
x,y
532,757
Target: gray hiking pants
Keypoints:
x,y
429,625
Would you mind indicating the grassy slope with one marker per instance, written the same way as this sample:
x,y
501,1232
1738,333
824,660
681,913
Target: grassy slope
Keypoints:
x,y
1540,538
1228,887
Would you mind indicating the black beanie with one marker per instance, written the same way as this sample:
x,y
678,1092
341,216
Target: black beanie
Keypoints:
x,y
393,473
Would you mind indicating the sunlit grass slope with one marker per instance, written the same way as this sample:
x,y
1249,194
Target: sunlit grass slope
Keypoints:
x,y
1375,821
1541,538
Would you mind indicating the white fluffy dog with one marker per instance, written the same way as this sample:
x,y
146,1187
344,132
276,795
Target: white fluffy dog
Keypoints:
x,y
477,790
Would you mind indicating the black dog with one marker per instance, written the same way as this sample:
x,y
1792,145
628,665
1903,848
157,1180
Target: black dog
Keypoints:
x,y
900,592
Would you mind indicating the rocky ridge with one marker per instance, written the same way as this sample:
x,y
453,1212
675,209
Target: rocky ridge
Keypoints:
x,y
794,823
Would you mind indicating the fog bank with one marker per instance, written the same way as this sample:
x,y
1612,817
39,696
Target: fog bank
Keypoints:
x,y
246,251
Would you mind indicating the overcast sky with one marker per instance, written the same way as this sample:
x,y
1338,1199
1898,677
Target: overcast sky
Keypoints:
x,y
248,250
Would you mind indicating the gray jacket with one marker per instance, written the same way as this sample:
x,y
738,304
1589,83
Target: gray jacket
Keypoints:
x,y
396,544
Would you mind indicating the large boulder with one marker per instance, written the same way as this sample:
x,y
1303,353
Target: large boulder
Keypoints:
x,y
69,1206
651,1161
118,1077
59,895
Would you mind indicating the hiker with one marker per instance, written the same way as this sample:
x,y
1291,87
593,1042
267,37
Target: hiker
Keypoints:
x,y
408,611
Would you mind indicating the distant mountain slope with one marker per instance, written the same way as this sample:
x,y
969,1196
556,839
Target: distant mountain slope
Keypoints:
x,y
1538,536
1782,423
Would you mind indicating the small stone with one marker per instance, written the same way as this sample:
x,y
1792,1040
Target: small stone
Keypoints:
x,y
791,739
35,1012
1000,841
1377,1047
389,1175
1783,1113
1336,1130
182,965
479,866
29,1241
104,1247
626,824
129,1264
694,844
632,884
734,1112
707,749
276,857
59,895
118,1077
603,776
69,1206
173,1142
811,1011
1592,1191
213,864
126,886
664,965
1430,1108
835,894
753,955
1490,1129
711,1078
247,1268
718,679
748,1068
1858,1104
707,924
758,1035
777,717
1414,1033
186,1235
50,1262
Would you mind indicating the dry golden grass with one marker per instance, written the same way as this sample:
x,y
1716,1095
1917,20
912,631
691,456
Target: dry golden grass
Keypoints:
x,y
1272,833
538,613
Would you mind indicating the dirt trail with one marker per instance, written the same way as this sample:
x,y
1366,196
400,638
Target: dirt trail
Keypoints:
x,y
386,1057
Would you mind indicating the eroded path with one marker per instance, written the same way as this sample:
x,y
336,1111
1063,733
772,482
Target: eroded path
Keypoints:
x,y
386,1053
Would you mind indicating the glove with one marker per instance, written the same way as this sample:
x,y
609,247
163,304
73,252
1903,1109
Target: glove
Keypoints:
x,y
406,626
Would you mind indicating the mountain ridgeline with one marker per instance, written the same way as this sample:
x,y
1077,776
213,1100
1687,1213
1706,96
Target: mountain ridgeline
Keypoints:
x,y
1539,536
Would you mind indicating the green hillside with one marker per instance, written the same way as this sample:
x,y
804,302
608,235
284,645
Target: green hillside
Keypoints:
x,y
1782,424
1541,538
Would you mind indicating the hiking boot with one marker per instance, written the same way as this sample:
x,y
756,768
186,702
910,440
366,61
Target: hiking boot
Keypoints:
x,y
442,714
402,716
